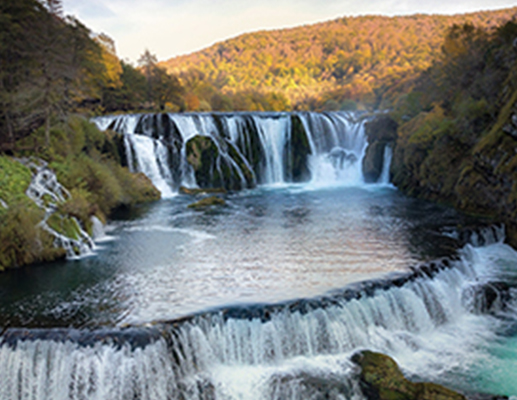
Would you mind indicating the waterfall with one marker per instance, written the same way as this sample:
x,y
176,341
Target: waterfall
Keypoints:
x,y
429,319
253,148
150,157
384,179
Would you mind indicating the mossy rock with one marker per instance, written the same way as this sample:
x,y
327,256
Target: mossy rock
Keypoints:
x,y
218,166
65,225
381,379
207,202
202,155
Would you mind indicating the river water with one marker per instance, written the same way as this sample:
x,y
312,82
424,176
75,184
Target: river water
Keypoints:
x,y
266,297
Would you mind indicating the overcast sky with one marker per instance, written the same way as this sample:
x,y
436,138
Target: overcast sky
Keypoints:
x,y
174,27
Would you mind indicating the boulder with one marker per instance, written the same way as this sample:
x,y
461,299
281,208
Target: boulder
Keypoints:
x,y
218,165
196,191
373,161
207,202
297,152
381,379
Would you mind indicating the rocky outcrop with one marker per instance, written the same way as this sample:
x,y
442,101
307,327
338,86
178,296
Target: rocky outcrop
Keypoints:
x,y
297,152
380,131
218,165
207,202
381,379
49,194
477,173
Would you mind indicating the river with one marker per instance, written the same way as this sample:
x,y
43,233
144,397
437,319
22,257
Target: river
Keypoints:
x,y
269,295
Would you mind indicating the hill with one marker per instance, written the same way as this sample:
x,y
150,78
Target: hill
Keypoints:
x,y
326,64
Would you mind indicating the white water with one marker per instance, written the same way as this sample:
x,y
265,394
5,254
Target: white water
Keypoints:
x,y
273,134
47,193
337,147
384,179
150,157
295,351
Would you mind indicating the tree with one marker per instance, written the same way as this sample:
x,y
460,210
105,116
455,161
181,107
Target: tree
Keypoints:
x,y
162,88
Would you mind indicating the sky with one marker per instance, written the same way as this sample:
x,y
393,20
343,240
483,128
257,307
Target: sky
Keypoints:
x,y
174,27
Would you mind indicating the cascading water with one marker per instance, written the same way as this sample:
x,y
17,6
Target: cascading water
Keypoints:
x,y
329,146
269,296
299,349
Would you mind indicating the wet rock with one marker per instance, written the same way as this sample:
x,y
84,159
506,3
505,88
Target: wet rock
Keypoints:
x,y
218,164
380,131
381,379
373,161
196,191
296,153
381,128
487,298
207,202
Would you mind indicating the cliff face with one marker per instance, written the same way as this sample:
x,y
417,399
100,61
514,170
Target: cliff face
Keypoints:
x,y
431,161
456,139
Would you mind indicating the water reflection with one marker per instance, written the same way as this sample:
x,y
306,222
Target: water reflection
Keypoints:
x,y
263,246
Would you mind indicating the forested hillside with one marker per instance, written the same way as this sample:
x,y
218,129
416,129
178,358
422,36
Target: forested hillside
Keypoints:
x,y
323,66
457,134
52,65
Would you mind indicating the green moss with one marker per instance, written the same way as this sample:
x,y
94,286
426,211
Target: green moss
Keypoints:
x,y
202,155
64,225
14,180
22,242
381,379
196,191
87,162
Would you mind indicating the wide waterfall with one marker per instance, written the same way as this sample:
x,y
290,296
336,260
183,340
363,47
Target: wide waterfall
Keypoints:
x,y
433,318
324,149
269,295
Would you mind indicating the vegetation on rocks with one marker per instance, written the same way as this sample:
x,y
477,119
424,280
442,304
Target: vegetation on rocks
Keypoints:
x,y
87,162
218,165
207,202
457,131
381,379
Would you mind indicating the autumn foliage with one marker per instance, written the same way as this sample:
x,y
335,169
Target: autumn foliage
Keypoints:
x,y
323,66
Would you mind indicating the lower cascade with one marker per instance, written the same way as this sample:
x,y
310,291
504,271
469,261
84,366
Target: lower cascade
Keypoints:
x,y
432,318
241,150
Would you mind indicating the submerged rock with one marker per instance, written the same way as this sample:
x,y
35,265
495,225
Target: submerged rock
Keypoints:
x,y
381,379
207,202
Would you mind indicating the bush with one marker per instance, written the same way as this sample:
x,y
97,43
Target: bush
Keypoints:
x,y
21,240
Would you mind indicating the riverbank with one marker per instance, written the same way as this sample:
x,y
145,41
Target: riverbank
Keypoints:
x,y
86,162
